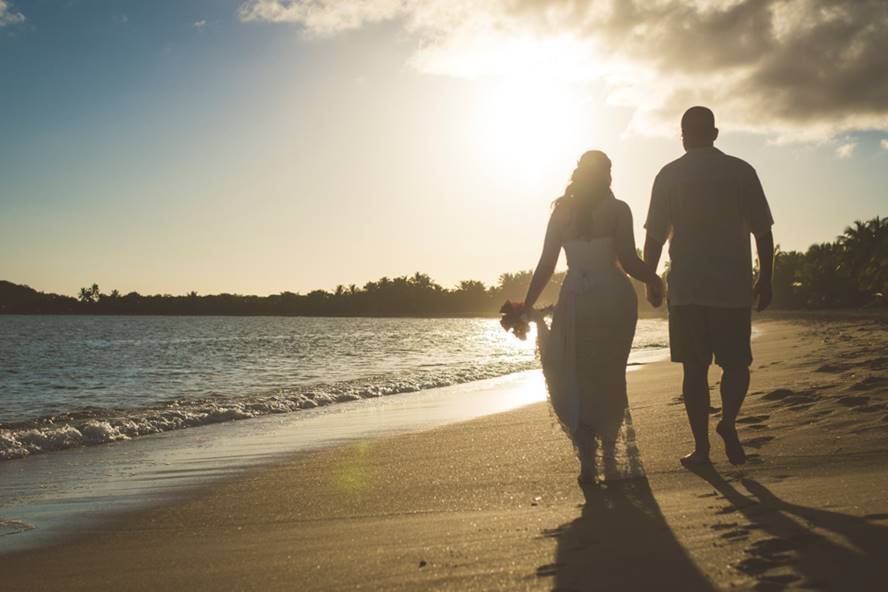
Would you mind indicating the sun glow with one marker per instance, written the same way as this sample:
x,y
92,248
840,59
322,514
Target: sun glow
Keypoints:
x,y
529,126
533,114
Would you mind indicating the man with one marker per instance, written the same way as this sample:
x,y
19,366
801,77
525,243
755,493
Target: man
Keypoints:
x,y
706,204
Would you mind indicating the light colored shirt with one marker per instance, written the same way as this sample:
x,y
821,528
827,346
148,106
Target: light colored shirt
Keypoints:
x,y
707,203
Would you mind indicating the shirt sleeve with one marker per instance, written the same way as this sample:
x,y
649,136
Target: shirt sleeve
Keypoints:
x,y
760,219
658,223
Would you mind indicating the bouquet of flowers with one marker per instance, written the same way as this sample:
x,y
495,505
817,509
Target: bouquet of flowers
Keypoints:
x,y
515,319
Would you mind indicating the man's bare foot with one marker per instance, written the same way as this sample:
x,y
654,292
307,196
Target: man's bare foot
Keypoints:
x,y
695,459
733,448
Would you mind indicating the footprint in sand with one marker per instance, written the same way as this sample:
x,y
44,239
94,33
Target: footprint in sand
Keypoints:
x,y
872,408
753,419
792,400
853,401
832,368
738,534
877,364
777,395
757,442
870,383
800,400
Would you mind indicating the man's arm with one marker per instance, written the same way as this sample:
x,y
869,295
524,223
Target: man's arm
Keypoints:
x,y
763,292
760,222
658,226
653,249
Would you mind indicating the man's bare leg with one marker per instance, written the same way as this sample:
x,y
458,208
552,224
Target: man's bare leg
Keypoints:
x,y
734,384
695,388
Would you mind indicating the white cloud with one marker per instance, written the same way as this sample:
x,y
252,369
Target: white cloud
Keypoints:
x,y
200,24
846,150
884,144
797,69
8,15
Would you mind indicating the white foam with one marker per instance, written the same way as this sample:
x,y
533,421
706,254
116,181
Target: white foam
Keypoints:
x,y
68,431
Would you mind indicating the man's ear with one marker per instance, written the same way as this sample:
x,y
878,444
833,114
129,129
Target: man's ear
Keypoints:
x,y
714,134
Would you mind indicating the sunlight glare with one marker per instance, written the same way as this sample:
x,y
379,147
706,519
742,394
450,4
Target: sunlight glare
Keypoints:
x,y
531,119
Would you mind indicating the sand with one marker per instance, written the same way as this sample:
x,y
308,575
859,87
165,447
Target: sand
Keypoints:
x,y
492,504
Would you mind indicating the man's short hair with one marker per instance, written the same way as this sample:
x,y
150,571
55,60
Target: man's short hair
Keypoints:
x,y
697,120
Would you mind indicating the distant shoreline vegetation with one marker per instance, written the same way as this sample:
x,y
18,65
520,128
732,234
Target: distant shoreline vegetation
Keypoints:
x,y
406,296
850,272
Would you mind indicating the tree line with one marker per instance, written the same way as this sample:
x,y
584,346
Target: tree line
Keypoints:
x,y
416,295
850,272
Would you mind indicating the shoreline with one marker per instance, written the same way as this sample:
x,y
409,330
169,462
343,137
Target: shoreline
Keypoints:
x,y
62,422
492,503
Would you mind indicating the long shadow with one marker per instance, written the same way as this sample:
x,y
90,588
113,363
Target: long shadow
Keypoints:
x,y
621,542
794,553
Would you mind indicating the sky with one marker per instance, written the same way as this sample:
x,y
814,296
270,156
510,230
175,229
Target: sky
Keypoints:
x,y
258,146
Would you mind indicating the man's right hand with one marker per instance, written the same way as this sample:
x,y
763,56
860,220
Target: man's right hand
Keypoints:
x,y
654,292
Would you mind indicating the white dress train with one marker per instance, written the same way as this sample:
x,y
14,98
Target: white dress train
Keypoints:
x,y
584,357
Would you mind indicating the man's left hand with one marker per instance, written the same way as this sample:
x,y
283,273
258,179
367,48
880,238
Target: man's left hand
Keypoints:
x,y
763,293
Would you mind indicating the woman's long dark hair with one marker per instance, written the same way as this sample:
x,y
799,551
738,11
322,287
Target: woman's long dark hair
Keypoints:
x,y
589,186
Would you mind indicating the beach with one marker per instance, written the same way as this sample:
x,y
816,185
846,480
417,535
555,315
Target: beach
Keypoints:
x,y
493,503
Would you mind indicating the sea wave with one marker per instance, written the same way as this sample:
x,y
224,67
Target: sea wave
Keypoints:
x,y
90,427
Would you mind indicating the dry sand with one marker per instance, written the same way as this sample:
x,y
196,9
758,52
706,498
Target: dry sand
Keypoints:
x,y
492,504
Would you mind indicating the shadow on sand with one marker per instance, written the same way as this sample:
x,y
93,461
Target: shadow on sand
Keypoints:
x,y
621,542
803,547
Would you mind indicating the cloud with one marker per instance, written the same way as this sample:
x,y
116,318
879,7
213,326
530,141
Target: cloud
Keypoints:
x,y
846,150
200,24
796,69
8,15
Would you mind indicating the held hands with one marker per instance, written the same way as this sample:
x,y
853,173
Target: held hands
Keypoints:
x,y
762,292
654,291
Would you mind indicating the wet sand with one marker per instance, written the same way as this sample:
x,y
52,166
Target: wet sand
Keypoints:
x,y
492,504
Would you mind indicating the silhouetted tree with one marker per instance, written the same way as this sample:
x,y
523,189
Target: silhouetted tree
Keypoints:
x,y
849,272
90,295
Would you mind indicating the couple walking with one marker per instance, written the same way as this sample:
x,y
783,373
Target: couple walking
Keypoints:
x,y
706,204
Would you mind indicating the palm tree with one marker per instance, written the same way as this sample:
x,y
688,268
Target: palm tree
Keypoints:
x,y
90,294
865,246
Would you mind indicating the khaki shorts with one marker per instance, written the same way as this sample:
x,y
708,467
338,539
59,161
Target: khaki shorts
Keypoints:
x,y
696,333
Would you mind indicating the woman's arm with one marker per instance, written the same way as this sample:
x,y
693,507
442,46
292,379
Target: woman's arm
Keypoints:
x,y
546,266
625,243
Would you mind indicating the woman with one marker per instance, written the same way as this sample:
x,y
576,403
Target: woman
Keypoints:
x,y
584,355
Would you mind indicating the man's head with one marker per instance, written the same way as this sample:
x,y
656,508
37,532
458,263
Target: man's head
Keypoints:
x,y
698,128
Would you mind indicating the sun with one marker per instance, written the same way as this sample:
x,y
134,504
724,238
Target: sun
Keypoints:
x,y
527,125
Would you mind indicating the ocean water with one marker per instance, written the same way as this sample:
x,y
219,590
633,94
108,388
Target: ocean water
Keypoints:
x,y
72,381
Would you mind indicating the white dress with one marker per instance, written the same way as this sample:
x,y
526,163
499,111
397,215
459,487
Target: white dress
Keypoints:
x,y
584,359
